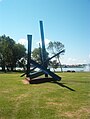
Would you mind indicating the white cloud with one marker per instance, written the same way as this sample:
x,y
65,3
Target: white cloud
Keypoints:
x,y
73,61
46,42
23,41
89,56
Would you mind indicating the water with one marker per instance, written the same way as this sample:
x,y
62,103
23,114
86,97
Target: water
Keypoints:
x,y
83,69
69,69
87,68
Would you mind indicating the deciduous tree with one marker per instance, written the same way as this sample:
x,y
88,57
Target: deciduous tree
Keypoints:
x,y
54,48
10,52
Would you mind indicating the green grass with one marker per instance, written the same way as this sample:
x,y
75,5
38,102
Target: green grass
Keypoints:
x,y
46,100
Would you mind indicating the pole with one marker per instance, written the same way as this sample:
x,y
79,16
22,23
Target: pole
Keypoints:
x,y
29,38
43,46
42,41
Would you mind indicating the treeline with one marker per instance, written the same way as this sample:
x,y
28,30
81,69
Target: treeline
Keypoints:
x,y
73,66
10,53
14,55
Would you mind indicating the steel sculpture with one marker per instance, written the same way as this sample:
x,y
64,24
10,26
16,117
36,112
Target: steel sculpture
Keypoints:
x,y
44,60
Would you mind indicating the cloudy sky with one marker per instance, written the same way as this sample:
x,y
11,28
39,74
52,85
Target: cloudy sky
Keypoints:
x,y
67,21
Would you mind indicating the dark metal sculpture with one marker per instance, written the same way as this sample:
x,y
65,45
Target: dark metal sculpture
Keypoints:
x,y
44,60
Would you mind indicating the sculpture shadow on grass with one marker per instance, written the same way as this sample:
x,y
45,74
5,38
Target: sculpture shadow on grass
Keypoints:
x,y
51,80
76,81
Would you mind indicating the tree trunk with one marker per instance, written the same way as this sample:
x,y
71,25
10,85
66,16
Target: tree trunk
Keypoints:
x,y
3,66
60,64
7,68
11,68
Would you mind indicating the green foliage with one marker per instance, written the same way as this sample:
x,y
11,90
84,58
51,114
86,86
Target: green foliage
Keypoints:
x,y
47,100
54,48
19,52
54,64
22,63
36,55
10,52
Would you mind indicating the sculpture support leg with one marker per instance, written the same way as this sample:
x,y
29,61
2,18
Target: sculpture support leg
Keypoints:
x,y
29,37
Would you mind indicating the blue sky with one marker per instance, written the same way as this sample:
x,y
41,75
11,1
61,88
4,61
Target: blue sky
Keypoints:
x,y
67,21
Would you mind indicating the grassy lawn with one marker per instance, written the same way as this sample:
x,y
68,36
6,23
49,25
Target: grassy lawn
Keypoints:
x,y
67,99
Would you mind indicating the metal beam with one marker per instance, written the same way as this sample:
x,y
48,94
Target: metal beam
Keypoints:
x,y
29,38
42,41
44,57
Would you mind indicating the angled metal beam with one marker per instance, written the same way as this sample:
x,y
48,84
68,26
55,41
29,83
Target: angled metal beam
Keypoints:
x,y
46,60
46,71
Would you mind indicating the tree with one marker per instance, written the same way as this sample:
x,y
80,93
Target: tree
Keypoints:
x,y
36,55
6,51
22,63
54,48
54,64
10,52
19,53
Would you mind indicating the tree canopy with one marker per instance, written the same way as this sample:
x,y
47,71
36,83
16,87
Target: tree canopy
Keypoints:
x,y
54,48
36,55
10,52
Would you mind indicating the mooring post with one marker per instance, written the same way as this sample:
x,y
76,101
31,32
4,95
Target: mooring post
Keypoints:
x,y
29,38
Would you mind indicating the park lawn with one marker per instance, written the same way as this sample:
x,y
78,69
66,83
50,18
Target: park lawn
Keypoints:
x,y
66,99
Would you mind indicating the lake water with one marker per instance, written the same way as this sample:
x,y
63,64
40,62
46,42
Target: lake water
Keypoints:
x,y
69,69
83,69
